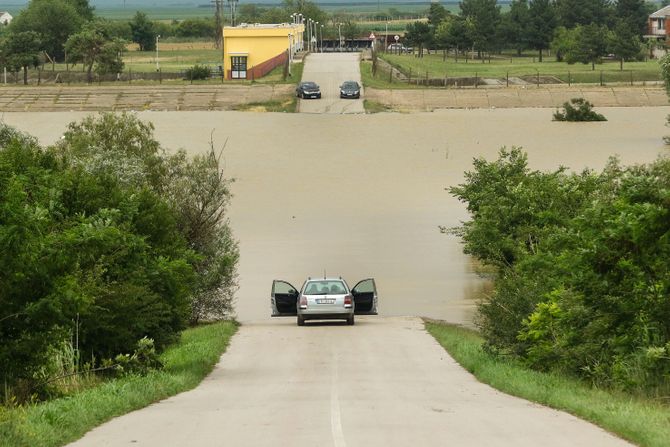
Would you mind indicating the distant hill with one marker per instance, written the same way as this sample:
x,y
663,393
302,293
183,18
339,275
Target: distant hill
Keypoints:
x,y
141,4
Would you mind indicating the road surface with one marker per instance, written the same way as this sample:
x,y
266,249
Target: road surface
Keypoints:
x,y
384,382
330,70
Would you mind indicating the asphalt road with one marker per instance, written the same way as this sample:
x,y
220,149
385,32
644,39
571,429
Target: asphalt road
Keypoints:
x,y
384,382
330,70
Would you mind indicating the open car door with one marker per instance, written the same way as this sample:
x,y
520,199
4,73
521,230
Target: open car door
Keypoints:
x,y
284,299
365,297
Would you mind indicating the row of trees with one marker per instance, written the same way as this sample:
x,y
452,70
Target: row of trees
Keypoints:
x,y
578,30
583,282
105,239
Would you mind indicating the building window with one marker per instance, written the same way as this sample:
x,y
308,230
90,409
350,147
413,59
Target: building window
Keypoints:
x,y
239,67
660,23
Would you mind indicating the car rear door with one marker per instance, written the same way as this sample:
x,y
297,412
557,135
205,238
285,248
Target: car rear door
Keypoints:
x,y
284,299
365,297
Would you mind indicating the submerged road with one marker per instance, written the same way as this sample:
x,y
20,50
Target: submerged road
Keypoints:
x,y
360,195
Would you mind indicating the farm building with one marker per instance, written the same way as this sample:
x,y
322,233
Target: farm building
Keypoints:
x,y
5,18
252,50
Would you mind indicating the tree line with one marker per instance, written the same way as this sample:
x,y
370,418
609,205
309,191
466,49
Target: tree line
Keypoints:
x,y
577,30
582,282
105,240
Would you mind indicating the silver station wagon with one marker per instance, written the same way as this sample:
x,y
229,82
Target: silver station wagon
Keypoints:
x,y
324,299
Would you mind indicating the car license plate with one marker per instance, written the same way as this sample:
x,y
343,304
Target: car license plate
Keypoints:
x,y
325,301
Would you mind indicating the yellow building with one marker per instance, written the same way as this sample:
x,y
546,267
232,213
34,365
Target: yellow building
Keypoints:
x,y
252,50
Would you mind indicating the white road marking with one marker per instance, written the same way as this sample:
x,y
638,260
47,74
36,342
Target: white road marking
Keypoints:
x,y
335,415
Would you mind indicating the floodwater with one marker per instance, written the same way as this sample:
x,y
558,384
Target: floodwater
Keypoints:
x,y
363,195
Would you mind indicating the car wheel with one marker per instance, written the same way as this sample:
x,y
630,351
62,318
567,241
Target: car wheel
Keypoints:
x,y
301,321
350,320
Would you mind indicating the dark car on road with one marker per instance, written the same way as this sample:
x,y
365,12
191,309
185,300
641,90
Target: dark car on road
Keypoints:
x,y
350,89
308,89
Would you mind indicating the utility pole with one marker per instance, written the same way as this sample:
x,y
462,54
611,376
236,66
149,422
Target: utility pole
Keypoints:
x,y
218,7
233,6
218,22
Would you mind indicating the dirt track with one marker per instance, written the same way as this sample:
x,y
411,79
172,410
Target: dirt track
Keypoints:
x,y
227,97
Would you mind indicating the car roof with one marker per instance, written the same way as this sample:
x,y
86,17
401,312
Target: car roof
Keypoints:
x,y
325,279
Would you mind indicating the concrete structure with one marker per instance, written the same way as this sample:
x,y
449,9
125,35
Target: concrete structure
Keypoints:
x,y
252,50
5,18
658,26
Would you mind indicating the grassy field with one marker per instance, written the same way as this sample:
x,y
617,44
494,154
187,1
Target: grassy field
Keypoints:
x,y
61,421
641,421
434,65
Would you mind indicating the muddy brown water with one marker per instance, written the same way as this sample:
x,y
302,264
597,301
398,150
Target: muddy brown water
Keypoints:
x,y
363,195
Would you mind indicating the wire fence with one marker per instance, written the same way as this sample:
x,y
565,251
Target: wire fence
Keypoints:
x,y
50,77
394,74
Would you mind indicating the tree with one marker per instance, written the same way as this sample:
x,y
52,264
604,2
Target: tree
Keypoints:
x,y
436,14
144,34
53,20
542,24
580,12
419,34
205,28
455,32
513,29
86,46
21,50
83,8
635,13
625,43
584,44
485,16
350,30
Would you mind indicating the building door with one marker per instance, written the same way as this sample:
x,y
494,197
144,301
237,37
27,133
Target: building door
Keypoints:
x,y
239,67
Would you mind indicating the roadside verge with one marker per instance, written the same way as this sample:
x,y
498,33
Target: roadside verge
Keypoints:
x,y
57,422
638,420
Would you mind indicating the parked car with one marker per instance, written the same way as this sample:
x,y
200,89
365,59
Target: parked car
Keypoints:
x,y
308,89
399,48
350,89
324,299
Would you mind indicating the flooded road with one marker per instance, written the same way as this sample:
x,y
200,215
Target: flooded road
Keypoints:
x,y
363,195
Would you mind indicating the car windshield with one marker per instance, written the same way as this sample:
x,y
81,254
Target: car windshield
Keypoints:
x,y
350,85
309,85
325,287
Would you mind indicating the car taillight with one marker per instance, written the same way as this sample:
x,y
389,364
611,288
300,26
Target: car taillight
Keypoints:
x,y
348,301
303,302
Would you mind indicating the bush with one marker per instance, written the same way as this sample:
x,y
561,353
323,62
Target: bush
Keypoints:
x,y
578,109
583,281
107,236
198,72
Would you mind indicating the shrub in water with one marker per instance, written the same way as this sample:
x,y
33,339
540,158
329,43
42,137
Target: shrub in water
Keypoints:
x,y
578,109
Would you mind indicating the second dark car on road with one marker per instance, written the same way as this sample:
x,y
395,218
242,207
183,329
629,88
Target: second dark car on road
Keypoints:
x,y
350,89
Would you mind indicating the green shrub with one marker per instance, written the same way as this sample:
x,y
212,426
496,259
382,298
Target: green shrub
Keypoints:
x,y
106,236
583,281
198,72
578,109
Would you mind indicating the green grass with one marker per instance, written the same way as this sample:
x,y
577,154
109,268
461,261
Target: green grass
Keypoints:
x,y
374,106
641,421
61,421
381,81
287,105
523,66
